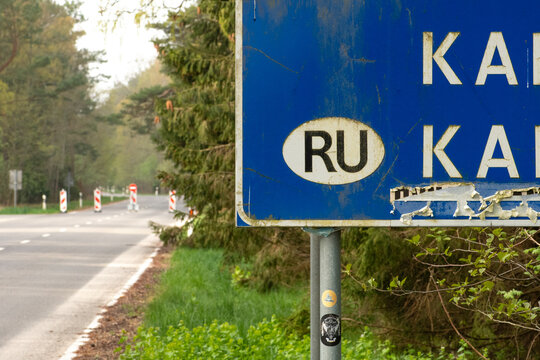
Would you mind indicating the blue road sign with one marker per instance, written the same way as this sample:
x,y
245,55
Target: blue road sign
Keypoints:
x,y
388,113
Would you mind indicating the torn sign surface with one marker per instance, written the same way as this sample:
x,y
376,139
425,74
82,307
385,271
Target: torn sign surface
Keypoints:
x,y
503,204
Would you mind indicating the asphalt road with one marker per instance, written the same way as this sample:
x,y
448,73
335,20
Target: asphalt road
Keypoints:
x,y
58,271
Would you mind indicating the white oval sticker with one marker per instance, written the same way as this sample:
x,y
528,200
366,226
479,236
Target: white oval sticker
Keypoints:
x,y
333,151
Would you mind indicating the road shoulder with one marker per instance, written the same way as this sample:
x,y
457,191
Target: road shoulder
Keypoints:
x,y
124,317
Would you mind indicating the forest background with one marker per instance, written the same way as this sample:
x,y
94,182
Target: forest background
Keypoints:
x,y
51,126
430,288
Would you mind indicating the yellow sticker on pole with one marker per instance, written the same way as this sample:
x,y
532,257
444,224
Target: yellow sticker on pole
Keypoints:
x,y
329,298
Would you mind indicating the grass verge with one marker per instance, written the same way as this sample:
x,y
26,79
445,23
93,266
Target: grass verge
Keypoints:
x,y
197,290
26,209
199,314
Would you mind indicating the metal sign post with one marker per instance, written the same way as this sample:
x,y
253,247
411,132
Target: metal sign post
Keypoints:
x,y
325,293
15,183
314,286
330,296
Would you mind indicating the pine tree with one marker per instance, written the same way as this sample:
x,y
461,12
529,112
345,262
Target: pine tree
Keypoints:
x,y
196,118
195,127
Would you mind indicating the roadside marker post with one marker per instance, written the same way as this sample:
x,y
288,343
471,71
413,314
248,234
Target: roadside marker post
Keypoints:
x,y
44,203
133,206
15,183
172,201
63,201
80,199
97,200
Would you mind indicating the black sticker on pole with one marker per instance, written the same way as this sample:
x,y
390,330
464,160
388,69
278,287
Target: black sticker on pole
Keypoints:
x,y
330,329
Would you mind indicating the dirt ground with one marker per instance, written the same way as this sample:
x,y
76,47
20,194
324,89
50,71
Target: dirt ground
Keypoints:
x,y
123,318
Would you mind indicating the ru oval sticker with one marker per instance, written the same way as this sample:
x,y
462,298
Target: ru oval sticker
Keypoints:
x,y
333,151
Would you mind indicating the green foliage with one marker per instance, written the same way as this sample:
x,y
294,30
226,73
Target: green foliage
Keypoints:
x,y
483,281
265,340
240,276
198,289
497,276
195,129
52,208
45,120
195,117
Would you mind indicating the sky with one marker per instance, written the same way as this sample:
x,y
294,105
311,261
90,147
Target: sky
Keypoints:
x,y
128,47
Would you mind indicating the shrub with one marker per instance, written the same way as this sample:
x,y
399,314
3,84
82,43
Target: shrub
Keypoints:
x,y
442,285
267,340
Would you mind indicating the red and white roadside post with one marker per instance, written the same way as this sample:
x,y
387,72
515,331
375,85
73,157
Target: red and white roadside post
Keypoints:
x,y
63,201
172,201
97,200
133,198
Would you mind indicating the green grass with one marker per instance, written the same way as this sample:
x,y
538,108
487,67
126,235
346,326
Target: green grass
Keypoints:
x,y
197,290
199,314
53,208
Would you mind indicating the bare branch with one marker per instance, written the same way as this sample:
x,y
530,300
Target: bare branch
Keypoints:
x,y
451,322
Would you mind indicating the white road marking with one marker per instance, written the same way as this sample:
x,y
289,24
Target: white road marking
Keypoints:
x,y
77,226
63,229
88,223
25,242
72,350
108,218
1,249
45,235
100,220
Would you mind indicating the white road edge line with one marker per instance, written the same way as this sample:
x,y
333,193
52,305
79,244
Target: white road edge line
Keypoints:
x,y
84,337
25,242
2,249
45,235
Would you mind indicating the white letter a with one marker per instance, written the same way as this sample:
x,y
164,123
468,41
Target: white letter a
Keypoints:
x,y
497,135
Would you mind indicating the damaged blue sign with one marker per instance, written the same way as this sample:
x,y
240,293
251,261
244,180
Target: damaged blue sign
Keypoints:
x,y
387,113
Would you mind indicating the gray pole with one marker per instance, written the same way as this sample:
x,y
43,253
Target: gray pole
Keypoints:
x,y
15,189
314,255
330,296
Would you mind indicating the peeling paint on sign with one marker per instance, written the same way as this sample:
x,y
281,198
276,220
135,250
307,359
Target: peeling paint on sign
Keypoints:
x,y
425,211
463,193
